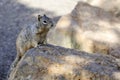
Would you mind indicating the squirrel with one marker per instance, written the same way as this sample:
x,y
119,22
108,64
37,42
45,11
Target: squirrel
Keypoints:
x,y
32,36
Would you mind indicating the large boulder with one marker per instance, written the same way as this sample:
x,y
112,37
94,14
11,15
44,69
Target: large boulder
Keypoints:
x,y
88,28
50,62
108,5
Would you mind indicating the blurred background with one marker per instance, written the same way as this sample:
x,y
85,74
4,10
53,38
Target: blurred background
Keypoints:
x,y
14,14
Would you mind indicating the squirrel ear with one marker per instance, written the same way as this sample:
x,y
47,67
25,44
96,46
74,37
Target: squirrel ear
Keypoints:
x,y
39,16
44,15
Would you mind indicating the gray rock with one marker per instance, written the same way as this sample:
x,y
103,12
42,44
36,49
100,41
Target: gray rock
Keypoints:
x,y
89,29
50,62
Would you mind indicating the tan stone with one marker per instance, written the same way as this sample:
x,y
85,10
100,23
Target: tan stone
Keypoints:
x,y
89,29
58,63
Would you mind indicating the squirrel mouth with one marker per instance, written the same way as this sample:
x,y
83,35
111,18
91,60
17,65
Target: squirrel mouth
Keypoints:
x,y
45,28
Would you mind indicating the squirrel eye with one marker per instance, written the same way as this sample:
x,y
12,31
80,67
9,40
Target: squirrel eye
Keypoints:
x,y
44,22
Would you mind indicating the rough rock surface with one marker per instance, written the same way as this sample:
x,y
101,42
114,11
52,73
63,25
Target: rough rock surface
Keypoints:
x,y
108,5
88,28
50,62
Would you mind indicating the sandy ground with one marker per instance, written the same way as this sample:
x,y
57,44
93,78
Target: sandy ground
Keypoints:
x,y
16,13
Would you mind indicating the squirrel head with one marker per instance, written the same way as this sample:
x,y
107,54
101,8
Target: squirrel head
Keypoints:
x,y
45,22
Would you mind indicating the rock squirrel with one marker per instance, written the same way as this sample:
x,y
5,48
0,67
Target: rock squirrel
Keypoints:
x,y
32,35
